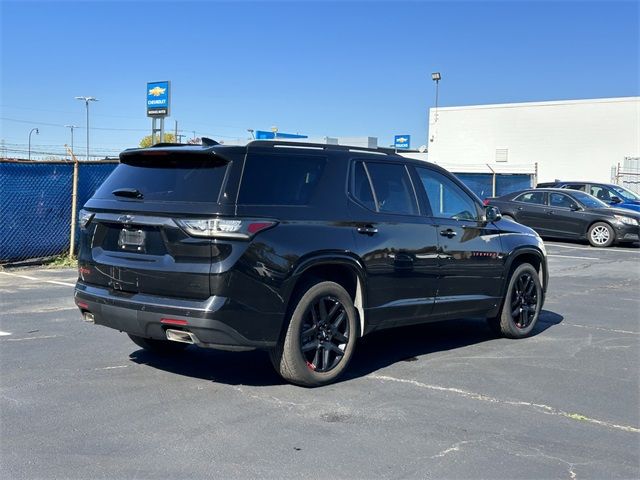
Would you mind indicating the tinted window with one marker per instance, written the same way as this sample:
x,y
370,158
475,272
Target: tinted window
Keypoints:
x,y
531,197
589,201
577,186
446,198
560,200
280,179
601,193
171,179
362,187
624,193
392,187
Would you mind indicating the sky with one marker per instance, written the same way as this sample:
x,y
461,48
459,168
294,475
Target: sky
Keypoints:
x,y
350,68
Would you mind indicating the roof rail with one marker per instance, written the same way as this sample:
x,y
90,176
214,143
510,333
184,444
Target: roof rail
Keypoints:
x,y
320,146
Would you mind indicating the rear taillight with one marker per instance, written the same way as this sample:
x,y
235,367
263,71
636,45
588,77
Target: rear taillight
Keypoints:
x,y
84,218
485,202
224,227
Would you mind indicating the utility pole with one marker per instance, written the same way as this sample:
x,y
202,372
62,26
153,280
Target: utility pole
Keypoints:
x,y
175,135
71,127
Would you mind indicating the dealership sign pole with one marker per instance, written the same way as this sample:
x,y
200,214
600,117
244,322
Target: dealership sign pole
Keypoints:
x,y
158,107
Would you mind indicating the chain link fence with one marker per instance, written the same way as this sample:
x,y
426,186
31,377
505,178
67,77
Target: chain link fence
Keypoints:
x,y
36,202
628,174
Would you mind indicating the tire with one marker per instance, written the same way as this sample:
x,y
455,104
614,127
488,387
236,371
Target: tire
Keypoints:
x,y
163,347
601,235
324,324
521,306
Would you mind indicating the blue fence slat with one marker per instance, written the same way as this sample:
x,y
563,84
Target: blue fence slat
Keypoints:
x,y
35,205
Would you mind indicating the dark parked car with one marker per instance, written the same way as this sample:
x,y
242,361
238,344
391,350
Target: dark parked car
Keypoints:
x,y
567,213
610,193
298,249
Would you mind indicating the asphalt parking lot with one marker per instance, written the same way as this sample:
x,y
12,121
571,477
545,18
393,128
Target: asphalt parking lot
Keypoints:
x,y
435,401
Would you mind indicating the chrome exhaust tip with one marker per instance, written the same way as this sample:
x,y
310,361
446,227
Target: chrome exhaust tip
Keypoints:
x,y
180,336
88,317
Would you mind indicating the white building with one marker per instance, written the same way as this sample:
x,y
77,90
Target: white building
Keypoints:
x,y
570,140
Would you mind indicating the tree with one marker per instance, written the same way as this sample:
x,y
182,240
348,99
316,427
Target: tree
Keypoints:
x,y
168,138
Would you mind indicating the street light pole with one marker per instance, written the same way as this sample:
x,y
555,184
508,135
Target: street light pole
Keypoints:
x,y
86,102
37,133
436,76
71,127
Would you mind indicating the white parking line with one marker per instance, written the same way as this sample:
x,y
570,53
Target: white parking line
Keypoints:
x,y
27,277
3,334
593,249
571,256
546,409
30,338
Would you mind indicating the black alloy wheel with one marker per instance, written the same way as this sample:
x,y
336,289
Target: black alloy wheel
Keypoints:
x,y
325,334
320,336
524,300
522,304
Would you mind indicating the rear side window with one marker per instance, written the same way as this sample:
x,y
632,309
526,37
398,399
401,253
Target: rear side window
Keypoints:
x,y
362,187
171,179
601,193
392,188
576,186
531,197
280,179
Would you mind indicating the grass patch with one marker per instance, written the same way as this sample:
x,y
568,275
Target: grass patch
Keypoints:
x,y
62,261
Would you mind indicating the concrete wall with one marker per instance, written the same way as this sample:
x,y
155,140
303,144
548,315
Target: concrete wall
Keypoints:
x,y
572,140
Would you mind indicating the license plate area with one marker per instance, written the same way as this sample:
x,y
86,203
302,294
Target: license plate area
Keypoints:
x,y
132,240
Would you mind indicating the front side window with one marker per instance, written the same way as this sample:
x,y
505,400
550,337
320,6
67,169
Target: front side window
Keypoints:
x,y
589,201
280,179
536,198
446,198
560,200
625,194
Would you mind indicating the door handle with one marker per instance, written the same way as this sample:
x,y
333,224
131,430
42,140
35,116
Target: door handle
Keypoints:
x,y
448,233
550,212
367,230
520,208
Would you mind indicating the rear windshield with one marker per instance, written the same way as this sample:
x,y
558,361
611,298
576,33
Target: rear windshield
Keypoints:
x,y
280,180
173,179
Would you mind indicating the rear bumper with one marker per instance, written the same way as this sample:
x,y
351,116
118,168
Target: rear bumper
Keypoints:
x,y
213,321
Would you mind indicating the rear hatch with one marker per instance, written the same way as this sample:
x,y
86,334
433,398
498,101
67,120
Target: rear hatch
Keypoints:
x,y
134,241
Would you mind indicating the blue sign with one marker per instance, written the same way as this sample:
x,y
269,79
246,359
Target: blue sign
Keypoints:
x,y
158,99
264,135
401,141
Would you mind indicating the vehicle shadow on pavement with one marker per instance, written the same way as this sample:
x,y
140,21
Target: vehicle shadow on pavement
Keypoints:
x,y
382,349
375,351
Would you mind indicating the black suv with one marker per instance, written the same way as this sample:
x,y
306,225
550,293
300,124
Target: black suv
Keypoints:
x,y
298,249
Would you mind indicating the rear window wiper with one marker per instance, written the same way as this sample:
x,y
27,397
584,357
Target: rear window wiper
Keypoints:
x,y
127,192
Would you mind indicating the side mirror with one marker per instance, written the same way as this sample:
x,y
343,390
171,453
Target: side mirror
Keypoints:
x,y
574,207
492,214
616,199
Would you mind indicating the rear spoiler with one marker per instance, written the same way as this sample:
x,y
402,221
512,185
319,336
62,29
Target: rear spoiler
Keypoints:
x,y
172,152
